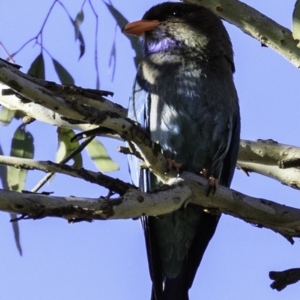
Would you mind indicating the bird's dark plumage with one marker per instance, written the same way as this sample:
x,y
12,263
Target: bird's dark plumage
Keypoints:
x,y
184,96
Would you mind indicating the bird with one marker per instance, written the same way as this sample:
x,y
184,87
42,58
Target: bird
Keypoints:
x,y
184,97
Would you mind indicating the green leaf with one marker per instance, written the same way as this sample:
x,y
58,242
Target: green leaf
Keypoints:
x,y
117,15
65,146
37,68
79,18
16,231
122,21
3,173
81,45
22,146
78,34
64,76
15,225
113,57
6,116
100,157
296,21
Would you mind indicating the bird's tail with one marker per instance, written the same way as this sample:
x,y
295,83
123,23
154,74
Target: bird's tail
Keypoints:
x,y
177,288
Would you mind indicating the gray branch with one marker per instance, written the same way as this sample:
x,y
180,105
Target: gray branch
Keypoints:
x,y
75,112
189,188
257,25
259,157
133,203
267,157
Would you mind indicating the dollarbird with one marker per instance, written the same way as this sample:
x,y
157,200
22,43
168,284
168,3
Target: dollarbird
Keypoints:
x,y
185,99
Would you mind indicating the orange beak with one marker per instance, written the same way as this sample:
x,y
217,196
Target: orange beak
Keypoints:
x,y
139,27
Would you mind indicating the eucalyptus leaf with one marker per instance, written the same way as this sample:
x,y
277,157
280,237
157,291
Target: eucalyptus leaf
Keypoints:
x,y
15,225
22,146
64,76
296,21
65,146
122,21
78,34
37,68
100,157
6,116
79,18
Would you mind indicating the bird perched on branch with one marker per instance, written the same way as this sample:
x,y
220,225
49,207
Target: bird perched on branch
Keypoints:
x,y
185,98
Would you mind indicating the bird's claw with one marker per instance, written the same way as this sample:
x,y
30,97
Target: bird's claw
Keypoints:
x,y
203,173
212,182
212,185
172,164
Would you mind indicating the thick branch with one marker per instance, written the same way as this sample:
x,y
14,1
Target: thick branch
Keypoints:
x,y
260,157
284,278
259,26
36,111
254,157
267,157
28,88
258,211
189,188
132,205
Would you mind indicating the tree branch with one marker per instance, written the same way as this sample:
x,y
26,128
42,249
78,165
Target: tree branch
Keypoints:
x,y
257,25
29,88
261,212
261,157
267,157
284,278
189,188
115,185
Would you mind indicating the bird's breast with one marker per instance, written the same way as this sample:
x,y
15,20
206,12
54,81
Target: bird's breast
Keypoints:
x,y
188,107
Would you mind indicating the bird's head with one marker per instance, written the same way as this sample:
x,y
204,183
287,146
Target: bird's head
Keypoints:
x,y
189,27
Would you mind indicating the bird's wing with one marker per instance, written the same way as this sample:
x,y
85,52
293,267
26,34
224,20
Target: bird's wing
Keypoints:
x,y
232,153
139,111
208,222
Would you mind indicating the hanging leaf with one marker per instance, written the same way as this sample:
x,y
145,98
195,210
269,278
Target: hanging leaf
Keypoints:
x,y
81,45
79,18
296,21
122,21
78,35
15,225
64,76
16,231
22,146
65,146
117,15
113,57
6,116
3,173
37,68
100,157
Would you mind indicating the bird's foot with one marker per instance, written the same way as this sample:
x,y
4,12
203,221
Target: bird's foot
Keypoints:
x,y
212,211
212,182
212,185
202,173
172,164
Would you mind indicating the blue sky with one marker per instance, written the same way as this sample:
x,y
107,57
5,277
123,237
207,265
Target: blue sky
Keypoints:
x,y
107,260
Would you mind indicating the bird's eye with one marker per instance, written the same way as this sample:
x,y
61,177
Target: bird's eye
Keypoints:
x,y
177,13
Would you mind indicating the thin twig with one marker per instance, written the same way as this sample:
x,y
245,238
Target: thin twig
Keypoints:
x,y
63,161
96,46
